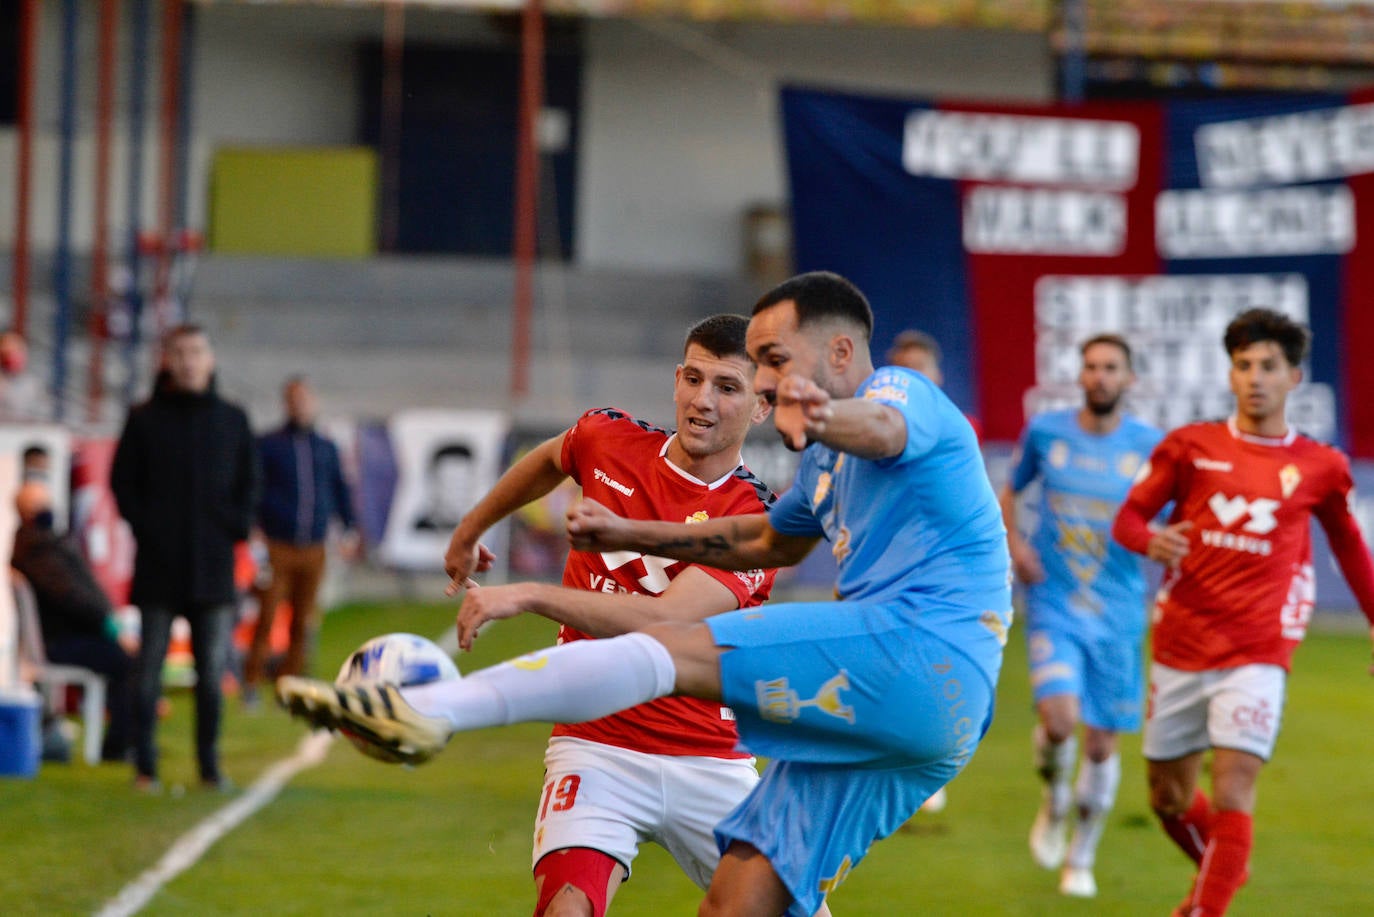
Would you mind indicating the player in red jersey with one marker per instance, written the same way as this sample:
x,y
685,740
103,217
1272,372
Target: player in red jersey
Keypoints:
x,y
668,770
1237,596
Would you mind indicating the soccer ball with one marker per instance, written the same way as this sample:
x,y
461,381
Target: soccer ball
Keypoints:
x,y
400,659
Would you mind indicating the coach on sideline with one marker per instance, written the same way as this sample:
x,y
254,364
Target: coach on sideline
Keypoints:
x,y
185,477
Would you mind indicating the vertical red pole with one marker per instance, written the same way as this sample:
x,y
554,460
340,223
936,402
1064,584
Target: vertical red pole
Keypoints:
x,y
28,61
526,191
167,168
100,252
393,49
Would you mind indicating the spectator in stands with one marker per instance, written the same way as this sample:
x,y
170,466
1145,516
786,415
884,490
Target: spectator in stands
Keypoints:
x,y
74,613
21,394
303,487
185,477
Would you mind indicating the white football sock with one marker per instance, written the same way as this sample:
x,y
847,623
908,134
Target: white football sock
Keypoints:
x,y
1054,763
1095,790
581,681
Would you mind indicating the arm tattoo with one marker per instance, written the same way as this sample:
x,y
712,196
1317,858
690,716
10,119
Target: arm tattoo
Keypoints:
x,y
707,546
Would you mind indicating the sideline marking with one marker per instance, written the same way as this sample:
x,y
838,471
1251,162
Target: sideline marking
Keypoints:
x,y
191,846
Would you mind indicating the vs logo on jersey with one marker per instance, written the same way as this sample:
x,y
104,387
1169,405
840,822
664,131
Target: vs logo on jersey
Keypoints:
x,y
654,580
1232,509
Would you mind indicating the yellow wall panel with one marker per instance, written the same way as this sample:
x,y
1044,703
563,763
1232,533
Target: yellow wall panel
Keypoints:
x,y
312,202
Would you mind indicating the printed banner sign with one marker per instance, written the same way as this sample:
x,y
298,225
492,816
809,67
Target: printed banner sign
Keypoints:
x,y
445,461
1011,233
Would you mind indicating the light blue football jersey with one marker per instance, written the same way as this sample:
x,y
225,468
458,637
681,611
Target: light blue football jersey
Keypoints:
x,y
923,526
869,704
1090,580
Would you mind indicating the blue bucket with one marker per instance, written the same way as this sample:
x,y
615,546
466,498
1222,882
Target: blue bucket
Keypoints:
x,y
20,733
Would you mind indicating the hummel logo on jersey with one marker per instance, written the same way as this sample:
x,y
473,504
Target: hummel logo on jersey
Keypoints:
x,y
1206,464
1230,509
612,483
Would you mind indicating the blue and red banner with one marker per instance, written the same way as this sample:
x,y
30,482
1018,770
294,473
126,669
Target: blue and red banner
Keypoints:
x,y
1011,233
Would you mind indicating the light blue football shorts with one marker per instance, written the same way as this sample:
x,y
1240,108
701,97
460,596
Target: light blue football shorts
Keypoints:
x,y
866,713
1102,671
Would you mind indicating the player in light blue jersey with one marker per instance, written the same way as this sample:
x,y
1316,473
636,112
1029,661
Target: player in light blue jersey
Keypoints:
x,y
1085,604
866,704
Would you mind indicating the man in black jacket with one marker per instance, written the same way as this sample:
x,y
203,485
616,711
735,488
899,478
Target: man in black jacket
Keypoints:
x,y
185,476
74,613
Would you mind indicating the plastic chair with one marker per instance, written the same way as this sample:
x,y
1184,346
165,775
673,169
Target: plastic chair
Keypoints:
x,y
53,680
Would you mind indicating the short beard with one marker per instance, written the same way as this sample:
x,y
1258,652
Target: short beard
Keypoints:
x,y
1103,409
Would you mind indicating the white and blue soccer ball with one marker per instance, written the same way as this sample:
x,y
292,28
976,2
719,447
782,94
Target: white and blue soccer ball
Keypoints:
x,y
399,659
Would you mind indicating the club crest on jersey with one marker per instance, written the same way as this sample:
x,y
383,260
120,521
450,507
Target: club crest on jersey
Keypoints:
x,y
699,516
1289,479
1059,454
779,703
1128,464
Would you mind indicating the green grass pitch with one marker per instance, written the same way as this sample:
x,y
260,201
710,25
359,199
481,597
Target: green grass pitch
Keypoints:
x,y
353,836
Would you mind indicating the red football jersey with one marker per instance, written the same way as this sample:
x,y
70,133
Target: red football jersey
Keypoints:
x,y
620,463
1244,592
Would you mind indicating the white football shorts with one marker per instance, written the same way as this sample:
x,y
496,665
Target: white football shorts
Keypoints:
x,y
612,800
1239,708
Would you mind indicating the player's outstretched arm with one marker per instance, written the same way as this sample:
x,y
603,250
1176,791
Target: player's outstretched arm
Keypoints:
x,y
805,413
728,543
536,473
692,596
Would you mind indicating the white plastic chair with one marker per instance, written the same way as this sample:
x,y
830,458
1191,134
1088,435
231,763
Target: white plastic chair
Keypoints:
x,y
53,679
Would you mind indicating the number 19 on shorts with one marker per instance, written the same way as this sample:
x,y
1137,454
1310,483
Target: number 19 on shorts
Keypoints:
x,y
560,795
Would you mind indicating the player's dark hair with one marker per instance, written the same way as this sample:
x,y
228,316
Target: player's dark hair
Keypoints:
x,y
34,451
821,295
1115,340
911,339
1255,326
721,335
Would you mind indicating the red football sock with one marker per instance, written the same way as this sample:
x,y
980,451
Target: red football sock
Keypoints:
x,y
1224,866
1193,828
